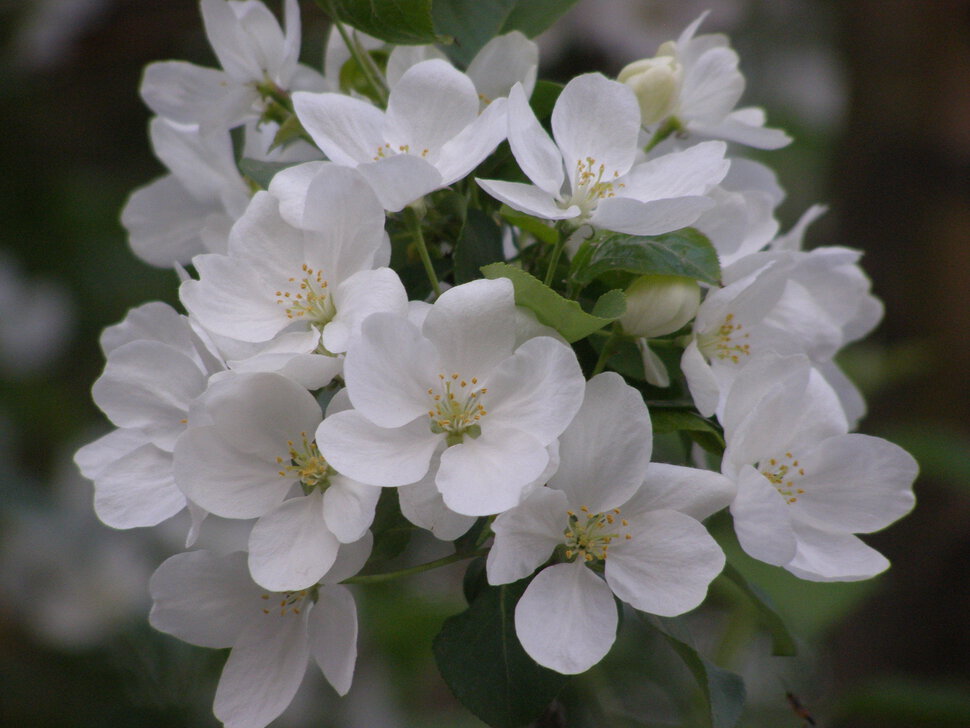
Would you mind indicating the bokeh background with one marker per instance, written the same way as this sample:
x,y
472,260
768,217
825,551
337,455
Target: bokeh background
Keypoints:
x,y
877,96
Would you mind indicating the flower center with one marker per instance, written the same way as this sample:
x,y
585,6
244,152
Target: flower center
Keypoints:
x,y
307,465
589,534
310,300
288,602
589,187
783,473
727,342
388,151
457,408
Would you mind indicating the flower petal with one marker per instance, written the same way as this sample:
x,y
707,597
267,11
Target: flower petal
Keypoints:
x,y
529,199
348,508
525,536
400,180
536,153
626,215
693,171
827,556
138,489
422,504
332,629
348,130
566,620
762,520
695,492
666,566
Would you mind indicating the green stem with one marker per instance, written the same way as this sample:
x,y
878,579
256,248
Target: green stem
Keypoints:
x,y
670,125
554,260
361,58
609,349
388,576
414,226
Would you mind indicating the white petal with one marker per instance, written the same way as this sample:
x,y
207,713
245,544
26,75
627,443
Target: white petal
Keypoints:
x,y
597,118
605,451
290,186
389,369
566,620
473,327
164,221
703,385
351,558
626,215
332,630
698,493
429,105
458,157
855,483
361,450
827,556
502,62
536,153
693,171
290,547
364,293
400,180
528,199
348,130
525,536
204,599
138,489
735,128
489,475
537,390
714,85
666,566
762,520
654,369
184,92
263,672
422,504
348,508
94,457
403,57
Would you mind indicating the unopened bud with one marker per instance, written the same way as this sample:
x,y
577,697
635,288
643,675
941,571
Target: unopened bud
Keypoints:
x,y
656,83
658,305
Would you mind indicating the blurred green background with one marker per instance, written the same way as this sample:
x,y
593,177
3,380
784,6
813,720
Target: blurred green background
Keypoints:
x,y
877,96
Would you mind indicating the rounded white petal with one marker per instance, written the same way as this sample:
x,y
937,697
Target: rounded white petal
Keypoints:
x,y
827,556
204,599
264,671
164,222
374,455
525,536
138,489
400,180
332,629
359,296
290,547
490,474
626,215
536,153
458,157
698,493
422,504
502,62
528,199
348,130
567,619
348,508
762,520
666,565
605,451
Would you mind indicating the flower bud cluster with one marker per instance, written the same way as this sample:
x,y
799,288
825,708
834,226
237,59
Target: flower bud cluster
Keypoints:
x,y
306,380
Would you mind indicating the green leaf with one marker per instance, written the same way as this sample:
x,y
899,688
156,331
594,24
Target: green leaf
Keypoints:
x,y
261,173
684,252
565,316
479,243
473,23
403,22
782,642
481,660
540,229
700,430
534,16
392,531
724,690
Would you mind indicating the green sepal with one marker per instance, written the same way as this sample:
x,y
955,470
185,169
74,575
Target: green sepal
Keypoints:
x,y
565,316
261,173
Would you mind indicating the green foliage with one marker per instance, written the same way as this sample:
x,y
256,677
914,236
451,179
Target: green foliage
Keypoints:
x,y
565,316
261,173
405,22
539,228
472,23
702,431
479,244
684,252
481,660
392,531
724,690
782,642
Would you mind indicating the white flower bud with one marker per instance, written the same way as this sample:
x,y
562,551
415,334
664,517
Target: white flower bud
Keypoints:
x,y
658,305
656,83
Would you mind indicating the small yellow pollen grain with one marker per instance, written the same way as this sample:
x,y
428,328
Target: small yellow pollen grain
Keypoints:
x,y
628,537
625,522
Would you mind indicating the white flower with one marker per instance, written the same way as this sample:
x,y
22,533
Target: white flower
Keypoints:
x,y
254,444
696,81
458,383
256,55
430,136
607,509
500,64
805,486
317,278
190,210
157,366
588,173
211,601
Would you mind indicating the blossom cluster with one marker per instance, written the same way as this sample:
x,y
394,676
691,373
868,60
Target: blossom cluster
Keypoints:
x,y
314,372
